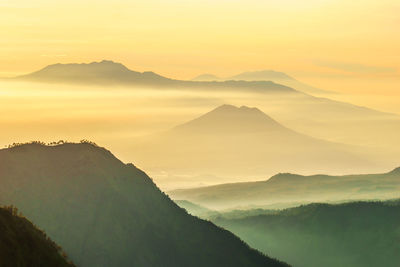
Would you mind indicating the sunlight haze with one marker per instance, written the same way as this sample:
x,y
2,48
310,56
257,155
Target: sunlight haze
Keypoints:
x,y
343,46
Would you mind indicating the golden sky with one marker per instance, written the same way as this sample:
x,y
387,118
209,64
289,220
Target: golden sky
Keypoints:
x,y
342,45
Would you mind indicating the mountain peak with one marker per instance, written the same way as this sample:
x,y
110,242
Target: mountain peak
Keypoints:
x,y
237,110
286,177
229,118
78,70
105,71
95,64
105,61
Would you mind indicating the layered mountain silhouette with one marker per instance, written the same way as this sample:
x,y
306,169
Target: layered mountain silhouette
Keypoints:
x,y
356,234
265,75
286,190
239,142
22,244
107,213
108,72
320,117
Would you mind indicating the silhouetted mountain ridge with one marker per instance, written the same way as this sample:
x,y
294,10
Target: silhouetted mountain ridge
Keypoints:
x,y
265,75
103,71
22,244
107,72
107,213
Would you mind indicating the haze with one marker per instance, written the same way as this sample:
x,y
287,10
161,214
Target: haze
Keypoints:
x,y
338,45
200,133
137,122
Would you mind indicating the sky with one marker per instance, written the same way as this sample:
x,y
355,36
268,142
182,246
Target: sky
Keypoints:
x,y
345,46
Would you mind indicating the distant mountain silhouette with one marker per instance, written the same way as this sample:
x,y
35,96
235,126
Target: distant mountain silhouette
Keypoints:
x,y
356,234
286,190
105,71
106,213
265,75
239,142
228,119
108,72
22,244
315,116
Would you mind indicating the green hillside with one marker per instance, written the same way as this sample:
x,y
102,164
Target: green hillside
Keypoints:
x,y
107,213
23,245
358,234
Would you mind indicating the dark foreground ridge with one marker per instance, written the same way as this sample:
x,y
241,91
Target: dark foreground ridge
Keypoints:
x,y
22,244
107,213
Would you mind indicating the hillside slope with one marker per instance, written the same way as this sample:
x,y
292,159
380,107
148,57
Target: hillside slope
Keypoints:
x,y
359,234
106,213
22,244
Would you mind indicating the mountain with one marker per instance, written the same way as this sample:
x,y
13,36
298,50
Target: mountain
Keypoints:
x,y
107,213
359,234
278,77
315,116
22,244
229,119
266,75
105,71
236,143
108,72
287,190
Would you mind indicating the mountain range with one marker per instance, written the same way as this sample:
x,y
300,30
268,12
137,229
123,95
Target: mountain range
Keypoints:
x,y
107,213
316,116
288,190
107,72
